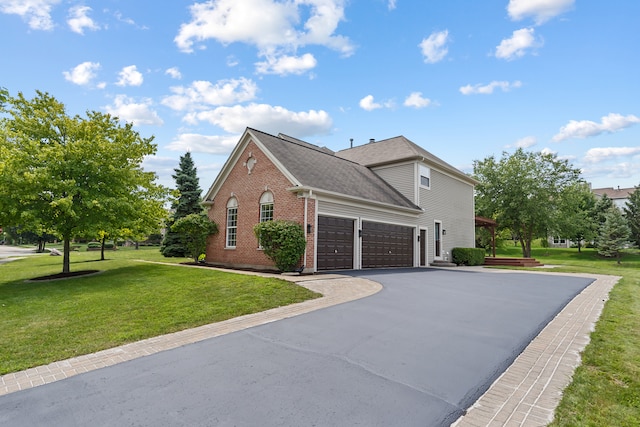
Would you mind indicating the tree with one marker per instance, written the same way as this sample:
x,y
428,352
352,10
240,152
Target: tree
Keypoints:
x,y
525,192
72,176
188,202
577,218
632,215
603,205
195,228
282,241
614,235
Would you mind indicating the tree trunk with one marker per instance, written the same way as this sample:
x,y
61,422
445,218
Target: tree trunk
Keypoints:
x,y
526,248
66,254
104,239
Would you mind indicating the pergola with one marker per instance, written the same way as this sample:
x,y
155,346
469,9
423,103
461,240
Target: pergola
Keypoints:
x,y
490,224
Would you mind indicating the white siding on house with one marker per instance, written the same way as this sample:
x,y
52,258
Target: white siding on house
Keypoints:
x,y
401,177
449,201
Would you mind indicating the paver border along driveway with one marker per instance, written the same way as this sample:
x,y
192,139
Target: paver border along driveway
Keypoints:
x,y
417,353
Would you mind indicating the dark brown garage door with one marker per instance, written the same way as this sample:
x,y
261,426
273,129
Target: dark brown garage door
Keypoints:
x,y
386,245
335,243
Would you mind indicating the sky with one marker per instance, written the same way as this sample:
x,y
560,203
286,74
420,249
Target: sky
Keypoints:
x,y
464,79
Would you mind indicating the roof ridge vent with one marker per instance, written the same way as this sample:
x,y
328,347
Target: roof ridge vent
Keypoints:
x,y
372,140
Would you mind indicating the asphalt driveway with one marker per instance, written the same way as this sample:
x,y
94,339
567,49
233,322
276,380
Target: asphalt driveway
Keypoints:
x,y
417,353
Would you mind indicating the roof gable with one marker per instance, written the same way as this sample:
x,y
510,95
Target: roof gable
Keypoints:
x,y
308,166
248,136
397,150
318,168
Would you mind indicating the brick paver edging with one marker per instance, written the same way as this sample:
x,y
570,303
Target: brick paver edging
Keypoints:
x,y
335,289
529,391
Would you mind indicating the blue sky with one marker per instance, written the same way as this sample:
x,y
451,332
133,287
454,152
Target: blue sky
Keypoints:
x,y
463,79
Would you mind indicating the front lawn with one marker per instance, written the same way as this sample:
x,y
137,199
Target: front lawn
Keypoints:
x,y
129,300
605,390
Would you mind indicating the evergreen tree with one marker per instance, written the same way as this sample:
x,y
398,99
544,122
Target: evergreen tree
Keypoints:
x,y
600,210
614,235
632,215
188,202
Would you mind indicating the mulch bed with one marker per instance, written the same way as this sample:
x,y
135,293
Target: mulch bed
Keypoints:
x,y
64,275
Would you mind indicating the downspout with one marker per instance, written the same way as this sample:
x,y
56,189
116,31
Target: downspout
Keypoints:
x,y
306,222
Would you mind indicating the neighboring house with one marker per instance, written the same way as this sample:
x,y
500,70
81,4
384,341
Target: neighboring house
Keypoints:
x,y
383,204
619,195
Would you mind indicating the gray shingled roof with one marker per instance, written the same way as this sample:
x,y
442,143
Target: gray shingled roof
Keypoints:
x,y
394,150
314,167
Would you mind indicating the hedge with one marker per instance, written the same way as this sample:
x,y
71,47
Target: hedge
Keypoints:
x,y
468,256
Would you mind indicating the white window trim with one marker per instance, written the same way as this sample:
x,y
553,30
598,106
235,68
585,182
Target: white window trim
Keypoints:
x,y
232,204
426,172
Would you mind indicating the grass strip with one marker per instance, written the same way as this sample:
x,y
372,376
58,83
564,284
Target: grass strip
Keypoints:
x,y
42,322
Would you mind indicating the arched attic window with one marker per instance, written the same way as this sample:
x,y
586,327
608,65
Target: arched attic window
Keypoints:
x,y
232,223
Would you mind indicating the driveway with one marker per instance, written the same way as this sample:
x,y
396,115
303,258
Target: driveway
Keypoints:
x,y
418,353
7,252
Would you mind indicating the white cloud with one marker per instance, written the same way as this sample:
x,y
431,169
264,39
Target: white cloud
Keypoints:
x,y
202,94
79,19
368,104
416,100
174,73
488,89
285,64
612,171
434,47
597,155
517,45
36,12
392,4
526,142
587,128
232,61
270,25
266,117
130,76
82,74
210,144
540,10
130,111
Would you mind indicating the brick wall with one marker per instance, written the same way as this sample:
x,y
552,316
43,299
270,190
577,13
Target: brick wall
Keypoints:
x,y
247,188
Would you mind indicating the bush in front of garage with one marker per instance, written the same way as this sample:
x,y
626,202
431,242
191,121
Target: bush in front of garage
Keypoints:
x,y
467,256
283,242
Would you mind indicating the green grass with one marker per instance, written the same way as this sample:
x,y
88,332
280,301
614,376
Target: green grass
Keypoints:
x,y
42,322
605,390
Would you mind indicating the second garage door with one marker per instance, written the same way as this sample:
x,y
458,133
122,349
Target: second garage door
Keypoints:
x,y
386,245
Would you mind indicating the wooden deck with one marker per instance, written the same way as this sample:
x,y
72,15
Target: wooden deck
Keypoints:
x,y
512,262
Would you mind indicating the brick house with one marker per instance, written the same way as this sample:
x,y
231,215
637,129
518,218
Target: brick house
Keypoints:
x,y
383,204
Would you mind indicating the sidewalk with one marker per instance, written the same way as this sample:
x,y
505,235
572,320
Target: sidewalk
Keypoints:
x,y
526,394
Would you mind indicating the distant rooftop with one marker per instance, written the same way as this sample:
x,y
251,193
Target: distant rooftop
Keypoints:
x,y
613,193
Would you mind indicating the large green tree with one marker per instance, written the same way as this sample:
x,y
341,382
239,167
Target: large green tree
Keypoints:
x,y
73,176
188,202
525,192
632,215
577,220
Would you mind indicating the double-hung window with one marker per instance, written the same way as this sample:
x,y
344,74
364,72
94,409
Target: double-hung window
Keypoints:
x,y
266,207
425,177
232,223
